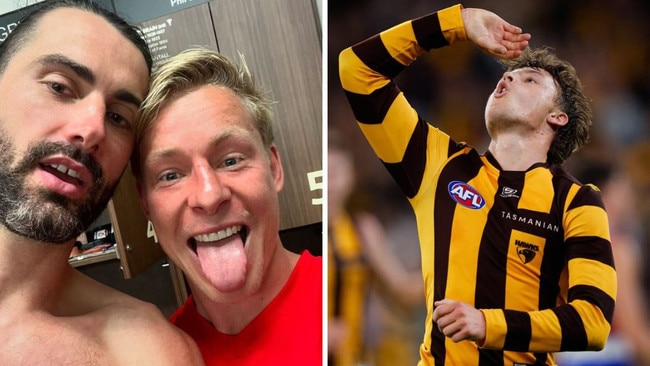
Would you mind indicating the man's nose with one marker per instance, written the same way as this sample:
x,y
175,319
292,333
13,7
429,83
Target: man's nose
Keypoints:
x,y
85,125
208,190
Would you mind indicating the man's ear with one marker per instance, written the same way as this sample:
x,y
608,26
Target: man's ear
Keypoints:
x,y
276,168
557,119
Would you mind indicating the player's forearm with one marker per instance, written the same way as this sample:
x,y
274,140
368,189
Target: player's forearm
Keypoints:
x,y
369,65
570,327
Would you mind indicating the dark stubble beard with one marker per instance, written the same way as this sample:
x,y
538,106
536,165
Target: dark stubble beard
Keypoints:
x,y
37,213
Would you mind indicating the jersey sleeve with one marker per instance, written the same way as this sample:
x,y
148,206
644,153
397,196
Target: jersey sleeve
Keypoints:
x,y
582,319
403,141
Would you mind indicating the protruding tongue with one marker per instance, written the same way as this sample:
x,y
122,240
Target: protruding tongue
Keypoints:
x,y
223,262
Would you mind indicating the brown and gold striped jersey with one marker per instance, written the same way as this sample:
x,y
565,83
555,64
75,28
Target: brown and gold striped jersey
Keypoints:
x,y
531,249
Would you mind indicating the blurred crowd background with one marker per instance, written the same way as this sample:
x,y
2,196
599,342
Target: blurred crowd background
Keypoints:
x,y
606,41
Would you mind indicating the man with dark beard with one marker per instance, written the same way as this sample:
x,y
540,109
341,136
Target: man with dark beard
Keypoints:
x,y
69,97
48,216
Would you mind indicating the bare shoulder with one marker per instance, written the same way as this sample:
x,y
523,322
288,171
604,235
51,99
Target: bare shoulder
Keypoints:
x,y
132,331
136,332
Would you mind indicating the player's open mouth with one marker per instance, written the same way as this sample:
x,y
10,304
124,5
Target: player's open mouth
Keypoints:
x,y
501,89
242,231
64,173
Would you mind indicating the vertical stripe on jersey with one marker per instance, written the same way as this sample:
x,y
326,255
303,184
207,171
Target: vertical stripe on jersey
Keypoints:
x,y
491,274
538,205
462,168
493,255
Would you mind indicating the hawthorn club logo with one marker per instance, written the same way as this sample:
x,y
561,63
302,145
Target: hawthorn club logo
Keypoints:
x,y
526,251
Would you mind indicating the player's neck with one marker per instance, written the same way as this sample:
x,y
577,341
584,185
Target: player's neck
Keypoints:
x,y
517,153
31,272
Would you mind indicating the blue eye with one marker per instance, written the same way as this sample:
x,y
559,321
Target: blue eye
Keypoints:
x,y
230,161
169,176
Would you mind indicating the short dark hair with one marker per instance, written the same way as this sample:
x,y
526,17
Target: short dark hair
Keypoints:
x,y
21,33
571,100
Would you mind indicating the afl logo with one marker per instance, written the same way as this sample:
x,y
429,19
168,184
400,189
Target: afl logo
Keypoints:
x,y
465,195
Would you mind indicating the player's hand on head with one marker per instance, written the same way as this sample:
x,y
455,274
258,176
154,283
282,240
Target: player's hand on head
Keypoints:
x,y
493,35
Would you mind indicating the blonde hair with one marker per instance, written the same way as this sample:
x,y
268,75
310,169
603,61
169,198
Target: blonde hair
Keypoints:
x,y
194,68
